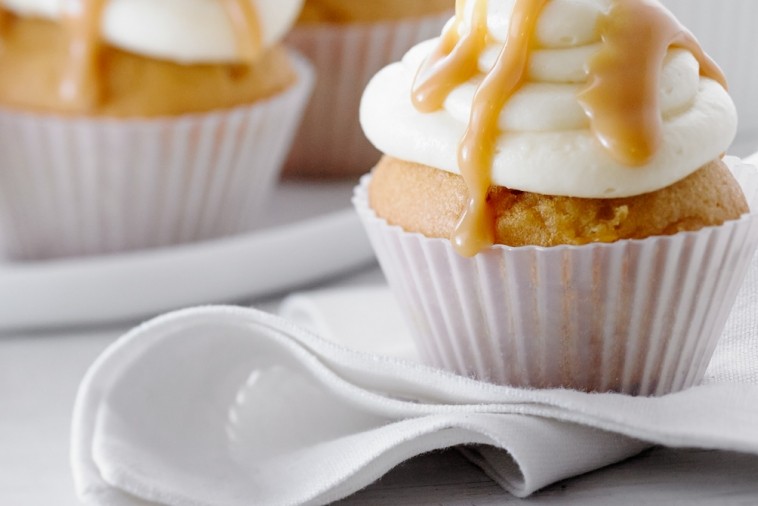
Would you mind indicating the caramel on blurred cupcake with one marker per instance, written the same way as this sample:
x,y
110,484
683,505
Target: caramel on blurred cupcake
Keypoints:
x,y
349,41
127,125
553,209
369,11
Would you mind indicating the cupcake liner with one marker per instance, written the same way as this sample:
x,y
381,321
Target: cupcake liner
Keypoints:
x,y
641,317
726,30
86,186
330,142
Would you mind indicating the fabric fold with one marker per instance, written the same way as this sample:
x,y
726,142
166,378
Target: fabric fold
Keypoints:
x,y
162,432
230,406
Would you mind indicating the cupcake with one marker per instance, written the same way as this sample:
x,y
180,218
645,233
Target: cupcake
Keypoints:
x,y
553,208
128,125
349,41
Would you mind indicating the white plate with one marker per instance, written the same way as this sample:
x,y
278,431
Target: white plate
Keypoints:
x,y
311,233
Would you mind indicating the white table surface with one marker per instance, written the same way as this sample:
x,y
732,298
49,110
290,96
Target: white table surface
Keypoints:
x,y
39,374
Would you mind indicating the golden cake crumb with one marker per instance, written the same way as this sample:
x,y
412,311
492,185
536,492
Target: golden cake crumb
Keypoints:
x,y
422,199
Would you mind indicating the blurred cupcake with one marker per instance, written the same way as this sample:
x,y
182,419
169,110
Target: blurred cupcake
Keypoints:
x,y
553,209
128,125
349,41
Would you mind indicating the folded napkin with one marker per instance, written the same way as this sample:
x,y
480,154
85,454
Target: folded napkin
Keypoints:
x,y
230,406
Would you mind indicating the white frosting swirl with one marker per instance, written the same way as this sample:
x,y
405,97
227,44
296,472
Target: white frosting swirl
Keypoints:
x,y
545,145
184,31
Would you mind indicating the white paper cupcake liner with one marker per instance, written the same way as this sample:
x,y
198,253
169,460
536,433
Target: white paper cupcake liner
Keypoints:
x,y
86,186
330,141
727,31
640,317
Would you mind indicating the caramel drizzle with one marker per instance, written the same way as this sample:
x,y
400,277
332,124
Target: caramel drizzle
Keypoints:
x,y
447,69
81,84
454,61
621,99
3,21
247,28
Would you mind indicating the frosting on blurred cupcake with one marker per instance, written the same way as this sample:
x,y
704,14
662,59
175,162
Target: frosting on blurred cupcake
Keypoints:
x,y
184,31
113,56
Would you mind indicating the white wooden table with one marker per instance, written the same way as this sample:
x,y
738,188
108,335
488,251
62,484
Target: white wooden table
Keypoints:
x,y
657,477
39,374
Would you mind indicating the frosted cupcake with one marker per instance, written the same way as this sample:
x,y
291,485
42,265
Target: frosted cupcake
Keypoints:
x,y
349,41
127,125
553,209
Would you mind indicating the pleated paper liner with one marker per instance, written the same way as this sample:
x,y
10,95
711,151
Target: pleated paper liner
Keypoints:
x,y
330,141
87,186
640,317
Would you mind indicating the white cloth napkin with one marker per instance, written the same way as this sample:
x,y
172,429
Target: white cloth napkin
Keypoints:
x,y
233,407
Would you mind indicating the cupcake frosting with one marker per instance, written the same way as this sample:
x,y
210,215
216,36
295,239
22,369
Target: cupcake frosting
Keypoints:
x,y
549,136
183,31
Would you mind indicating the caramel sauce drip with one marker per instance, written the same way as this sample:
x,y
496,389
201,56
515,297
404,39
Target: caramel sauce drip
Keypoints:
x,y
3,22
455,61
622,98
475,229
247,28
81,84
